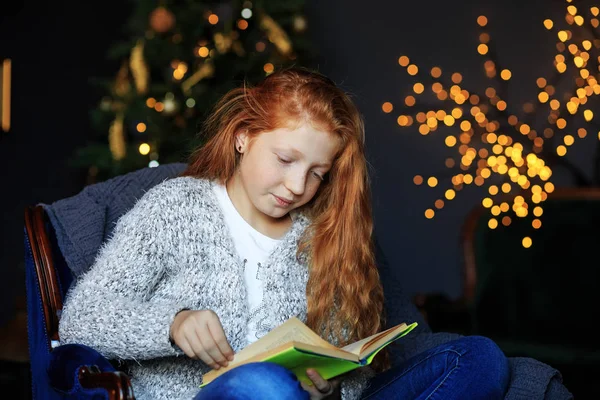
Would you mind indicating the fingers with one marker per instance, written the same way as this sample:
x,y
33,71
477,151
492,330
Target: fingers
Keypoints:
x,y
321,384
218,334
200,336
210,352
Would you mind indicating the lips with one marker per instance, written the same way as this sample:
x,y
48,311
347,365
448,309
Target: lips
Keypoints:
x,y
282,202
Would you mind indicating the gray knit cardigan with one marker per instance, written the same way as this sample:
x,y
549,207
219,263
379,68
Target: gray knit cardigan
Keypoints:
x,y
171,251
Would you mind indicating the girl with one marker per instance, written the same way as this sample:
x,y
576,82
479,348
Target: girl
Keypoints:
x,y
272,219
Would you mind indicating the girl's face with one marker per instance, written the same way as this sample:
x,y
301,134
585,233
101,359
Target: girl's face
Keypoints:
x,y
279,171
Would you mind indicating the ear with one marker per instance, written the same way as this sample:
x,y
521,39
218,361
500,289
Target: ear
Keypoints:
x,y
241,141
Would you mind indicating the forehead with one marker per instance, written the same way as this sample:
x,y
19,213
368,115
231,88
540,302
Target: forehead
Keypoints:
x,y
306,141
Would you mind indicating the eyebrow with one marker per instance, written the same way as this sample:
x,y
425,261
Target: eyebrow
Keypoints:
x,y
298,153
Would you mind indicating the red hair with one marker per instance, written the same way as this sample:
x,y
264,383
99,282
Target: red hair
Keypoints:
x,y
343,275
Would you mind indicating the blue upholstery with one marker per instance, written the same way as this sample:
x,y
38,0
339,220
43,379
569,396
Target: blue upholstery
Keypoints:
x,y
54,371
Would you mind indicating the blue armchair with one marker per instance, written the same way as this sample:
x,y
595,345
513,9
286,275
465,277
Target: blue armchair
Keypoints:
x,y
59,372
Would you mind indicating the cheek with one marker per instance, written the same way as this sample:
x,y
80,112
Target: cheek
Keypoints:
x,y
311,190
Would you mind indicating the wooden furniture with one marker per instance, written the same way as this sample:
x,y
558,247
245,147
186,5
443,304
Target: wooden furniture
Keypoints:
x,y
53,370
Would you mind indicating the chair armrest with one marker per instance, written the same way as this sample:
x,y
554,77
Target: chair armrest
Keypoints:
x,y
444,314
75,369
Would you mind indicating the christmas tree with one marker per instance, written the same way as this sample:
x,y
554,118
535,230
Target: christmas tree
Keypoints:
x,y
179,58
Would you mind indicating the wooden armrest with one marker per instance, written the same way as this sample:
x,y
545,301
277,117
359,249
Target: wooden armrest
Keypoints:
x,y
116,383
35,226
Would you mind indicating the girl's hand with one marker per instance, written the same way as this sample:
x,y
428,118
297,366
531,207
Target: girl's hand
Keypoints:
x,y
200,335
321,389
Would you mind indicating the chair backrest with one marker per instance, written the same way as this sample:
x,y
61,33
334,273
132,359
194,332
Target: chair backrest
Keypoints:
x,y
546,294
47,280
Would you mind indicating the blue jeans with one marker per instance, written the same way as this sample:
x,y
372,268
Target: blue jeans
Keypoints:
x,y
256,381
472,367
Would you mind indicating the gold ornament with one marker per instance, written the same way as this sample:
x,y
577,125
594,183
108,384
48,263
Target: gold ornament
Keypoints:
x,y
139,68
299,23
121,85
222,43
162,20
116,138
205,71
276,34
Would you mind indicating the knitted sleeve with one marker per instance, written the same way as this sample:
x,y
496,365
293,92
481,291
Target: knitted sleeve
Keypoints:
x,y
111,307
355,383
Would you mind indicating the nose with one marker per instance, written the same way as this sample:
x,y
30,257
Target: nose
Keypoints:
x,y
296,182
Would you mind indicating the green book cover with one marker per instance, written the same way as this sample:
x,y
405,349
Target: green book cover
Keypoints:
x,y
294,346
298,360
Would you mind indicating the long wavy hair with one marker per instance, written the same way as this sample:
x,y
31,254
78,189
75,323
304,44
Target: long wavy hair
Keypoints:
x,y
343,275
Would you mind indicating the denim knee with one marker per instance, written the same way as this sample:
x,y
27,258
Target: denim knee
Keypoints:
x,y
488,361
261,380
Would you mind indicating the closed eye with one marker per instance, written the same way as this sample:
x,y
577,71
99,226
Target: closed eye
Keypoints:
x,y
283,160
318,176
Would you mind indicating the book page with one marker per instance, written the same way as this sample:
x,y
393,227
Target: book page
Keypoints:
x,y
293,330
364,344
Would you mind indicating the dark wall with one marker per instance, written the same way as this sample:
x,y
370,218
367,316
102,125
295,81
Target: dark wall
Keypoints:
x,y
54,47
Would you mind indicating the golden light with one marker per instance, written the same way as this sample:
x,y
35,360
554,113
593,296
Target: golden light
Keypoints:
x,y
505,74
213,19
412,69
450,141
403,120
403,61
268,68
203,51
242,24
150,102
5,94
141,127
387,107
517,157
569,140
562,36
144,149
432,181
429,213
418,180
159,106
450,194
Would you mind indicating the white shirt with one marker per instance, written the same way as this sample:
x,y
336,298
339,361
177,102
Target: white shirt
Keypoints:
x,y
252,246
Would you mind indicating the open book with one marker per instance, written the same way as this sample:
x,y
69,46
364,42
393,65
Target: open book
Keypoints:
x,y
295,346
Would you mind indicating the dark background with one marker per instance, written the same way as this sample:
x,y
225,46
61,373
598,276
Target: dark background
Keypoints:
x,y
56,46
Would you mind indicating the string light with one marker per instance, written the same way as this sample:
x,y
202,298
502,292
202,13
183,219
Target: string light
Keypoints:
x,y
498,149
